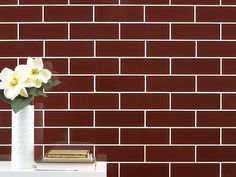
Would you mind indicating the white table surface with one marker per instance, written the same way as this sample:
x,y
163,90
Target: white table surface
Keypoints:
x,y
6,171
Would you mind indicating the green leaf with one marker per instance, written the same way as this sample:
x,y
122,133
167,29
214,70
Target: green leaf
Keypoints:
x,y
3,98
36,92
20,102
51,84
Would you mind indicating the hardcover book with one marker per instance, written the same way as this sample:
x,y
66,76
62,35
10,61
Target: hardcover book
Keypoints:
x,y
68,154
42,166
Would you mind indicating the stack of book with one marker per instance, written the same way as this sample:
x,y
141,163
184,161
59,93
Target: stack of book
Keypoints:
x,y
67,160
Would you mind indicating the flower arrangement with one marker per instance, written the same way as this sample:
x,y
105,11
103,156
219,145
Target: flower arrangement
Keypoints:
x,y
19,87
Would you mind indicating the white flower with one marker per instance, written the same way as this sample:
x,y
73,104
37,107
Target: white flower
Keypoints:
x,y
12,83
35,72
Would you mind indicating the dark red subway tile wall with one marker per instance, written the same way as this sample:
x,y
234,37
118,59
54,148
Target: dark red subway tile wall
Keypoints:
x,y
147,85
170,154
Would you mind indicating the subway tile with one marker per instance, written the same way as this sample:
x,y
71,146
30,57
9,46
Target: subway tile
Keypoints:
x,y
119,83
118,14
170,154
216,154
144,136
195,170
144,101
170,118
94,136
120,153
195,66
169,14
68,118
144,66
147,169
119,118
95,66
68,13
51,136
170,83
95,101
195,136
195,101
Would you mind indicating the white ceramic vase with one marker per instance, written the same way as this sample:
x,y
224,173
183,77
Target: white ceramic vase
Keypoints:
x,y
23,138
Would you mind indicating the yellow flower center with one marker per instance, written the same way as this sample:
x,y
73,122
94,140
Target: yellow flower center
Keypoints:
x,y
14,82
34,72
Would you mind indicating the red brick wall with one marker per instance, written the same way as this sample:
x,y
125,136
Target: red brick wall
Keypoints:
x,y
148,85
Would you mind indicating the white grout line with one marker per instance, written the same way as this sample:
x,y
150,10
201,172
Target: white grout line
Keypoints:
x,y
144,13
221,98
18,61
94,11
221,138
170,31
221,66
196,48
94,49
221,32
145,118
43,9
136,127
94,83
68,28
195,14
43,150
220,169
120,66
144,153
44,48
120,101
170,103
170,164
141,145
156,75
115,22
131,40
141,109
117,5
145,83
68,65
145,48
119,170
18,31
170,66
138,57
119,136
196,84
170,136
112,22
68,131
119,31
43,118
94,118
195,119
68,101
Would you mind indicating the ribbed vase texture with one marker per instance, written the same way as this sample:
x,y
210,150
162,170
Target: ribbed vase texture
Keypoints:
x,y
22,154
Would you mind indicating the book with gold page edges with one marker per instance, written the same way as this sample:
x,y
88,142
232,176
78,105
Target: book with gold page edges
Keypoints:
x,y
90,159
68,154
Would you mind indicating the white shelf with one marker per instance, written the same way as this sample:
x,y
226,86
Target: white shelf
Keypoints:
x,y
6,171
